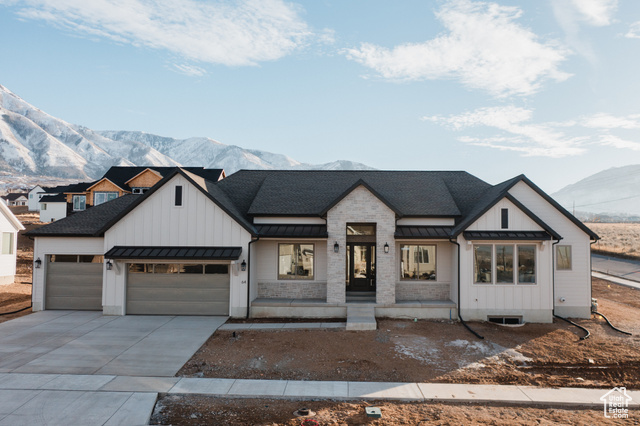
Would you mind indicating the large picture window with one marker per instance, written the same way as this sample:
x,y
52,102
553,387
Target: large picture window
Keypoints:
x,y
494,264
103,197
295,261
418,262
563,258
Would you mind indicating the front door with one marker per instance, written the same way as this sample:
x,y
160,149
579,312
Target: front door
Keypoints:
x,y
361,267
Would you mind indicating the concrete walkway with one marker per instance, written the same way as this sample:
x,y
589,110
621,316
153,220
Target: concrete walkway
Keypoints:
x,y
112,400
617,280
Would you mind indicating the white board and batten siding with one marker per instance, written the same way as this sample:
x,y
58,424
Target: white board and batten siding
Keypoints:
x,y
8,261
54,211
532,302
574,285
158,222
45,246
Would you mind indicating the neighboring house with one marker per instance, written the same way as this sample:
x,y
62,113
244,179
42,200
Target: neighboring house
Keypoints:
x,y
9,227
35,194
117,181
308,243
53,207
14,199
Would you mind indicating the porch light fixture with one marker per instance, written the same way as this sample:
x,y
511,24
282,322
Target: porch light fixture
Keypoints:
x,y
243,265
38,263
386,247
109,265
336,247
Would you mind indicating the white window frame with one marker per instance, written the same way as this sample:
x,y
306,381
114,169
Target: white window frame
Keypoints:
x,y
8,243
84,204
106,195
435,261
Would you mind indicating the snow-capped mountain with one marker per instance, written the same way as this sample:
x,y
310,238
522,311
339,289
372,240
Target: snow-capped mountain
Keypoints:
x,y
33,143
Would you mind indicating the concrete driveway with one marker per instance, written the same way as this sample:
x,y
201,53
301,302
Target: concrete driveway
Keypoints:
x,y
80,342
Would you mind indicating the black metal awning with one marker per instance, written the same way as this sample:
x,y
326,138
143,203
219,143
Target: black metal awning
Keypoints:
x,y
174,253
292,231
506,235
424,232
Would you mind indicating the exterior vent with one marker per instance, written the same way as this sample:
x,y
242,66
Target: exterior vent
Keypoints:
x,y
505,320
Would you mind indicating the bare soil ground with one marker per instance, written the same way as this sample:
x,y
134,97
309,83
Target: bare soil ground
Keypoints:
x,y
617,239
549,355
204,410
441,351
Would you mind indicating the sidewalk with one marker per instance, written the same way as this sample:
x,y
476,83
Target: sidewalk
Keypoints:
x,y
298,389
617,280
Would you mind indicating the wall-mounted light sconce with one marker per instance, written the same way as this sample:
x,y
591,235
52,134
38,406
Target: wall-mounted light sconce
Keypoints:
x,y
243,265
109,265
336,247
38,263
386,247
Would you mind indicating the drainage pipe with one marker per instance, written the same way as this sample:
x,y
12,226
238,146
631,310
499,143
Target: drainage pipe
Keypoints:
x,y
585,337
611,325
451,240
249,276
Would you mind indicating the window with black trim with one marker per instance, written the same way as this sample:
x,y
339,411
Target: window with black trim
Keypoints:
x,y
494,264
295,261
505,219
178,196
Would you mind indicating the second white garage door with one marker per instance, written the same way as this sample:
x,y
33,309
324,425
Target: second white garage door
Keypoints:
x,y
177,289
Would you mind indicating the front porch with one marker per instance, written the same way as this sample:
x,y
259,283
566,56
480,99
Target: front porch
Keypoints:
x,y
320,308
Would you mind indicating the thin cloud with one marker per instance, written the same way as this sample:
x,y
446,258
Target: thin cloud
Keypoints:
x,y
189,70
517,132
634,30
484,48
598,13
239,33
608,121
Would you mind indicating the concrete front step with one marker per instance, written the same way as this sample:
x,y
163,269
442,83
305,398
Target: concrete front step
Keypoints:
x,y
361,317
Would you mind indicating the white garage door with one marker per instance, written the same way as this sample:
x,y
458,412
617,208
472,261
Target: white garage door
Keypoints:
x,y
74,282
177,289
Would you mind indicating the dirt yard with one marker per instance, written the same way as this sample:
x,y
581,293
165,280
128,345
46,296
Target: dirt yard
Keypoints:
x,y
203,410
617,238
16,296
441,351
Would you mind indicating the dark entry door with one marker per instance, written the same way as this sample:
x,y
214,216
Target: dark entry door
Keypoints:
x,y
361,271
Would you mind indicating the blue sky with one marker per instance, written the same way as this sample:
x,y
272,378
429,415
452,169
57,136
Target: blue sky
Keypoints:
x,y
546,88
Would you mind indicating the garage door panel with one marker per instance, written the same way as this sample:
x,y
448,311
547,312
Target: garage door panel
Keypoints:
x,y
178,308
177,294
74,286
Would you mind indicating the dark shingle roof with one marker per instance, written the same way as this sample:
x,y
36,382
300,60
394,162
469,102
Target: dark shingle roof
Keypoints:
x,y
121,174
76,187
310,193
12,196
89,223
58,198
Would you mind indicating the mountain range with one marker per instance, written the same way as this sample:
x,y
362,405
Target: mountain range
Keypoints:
x,y
33,143
615,191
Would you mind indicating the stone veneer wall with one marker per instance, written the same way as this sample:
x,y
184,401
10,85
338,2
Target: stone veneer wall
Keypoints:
x,y
292,290
361,206
422,291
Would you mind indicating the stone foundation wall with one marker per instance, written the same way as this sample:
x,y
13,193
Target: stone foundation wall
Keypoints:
x,y
292,290
422,291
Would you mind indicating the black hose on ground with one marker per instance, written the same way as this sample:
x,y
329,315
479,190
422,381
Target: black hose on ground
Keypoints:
x,y
15,312
579,326
611,325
